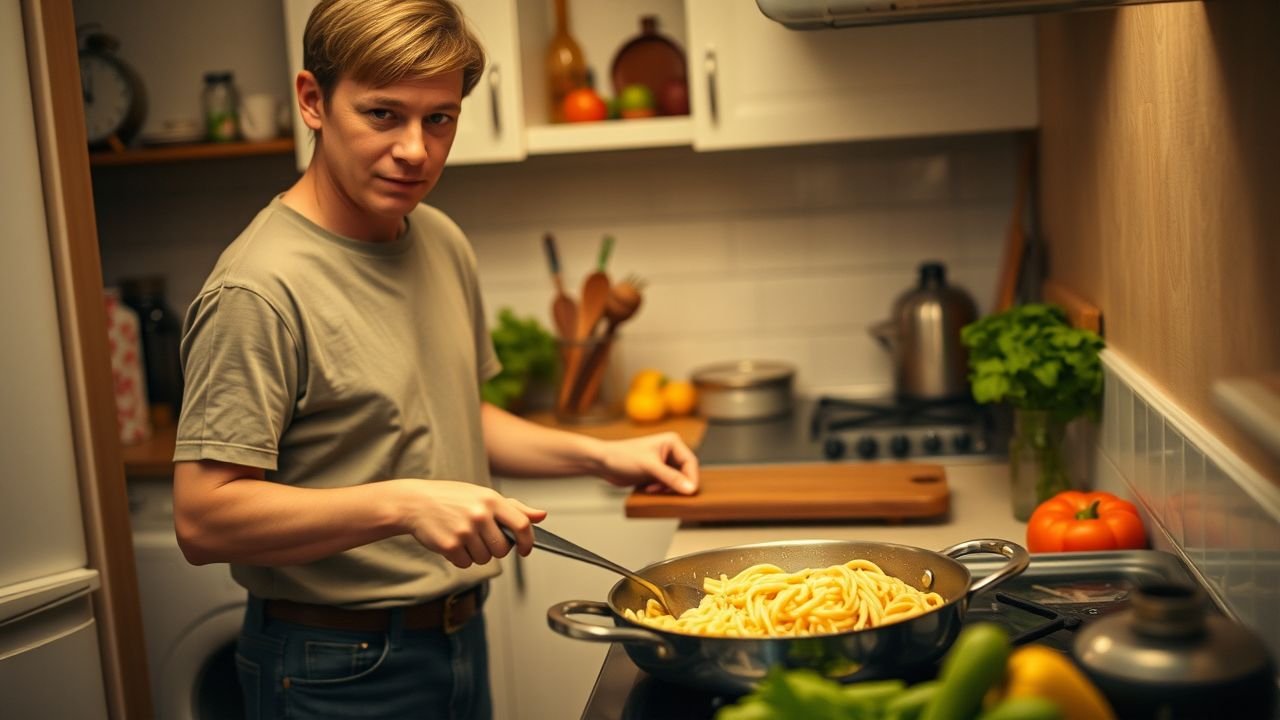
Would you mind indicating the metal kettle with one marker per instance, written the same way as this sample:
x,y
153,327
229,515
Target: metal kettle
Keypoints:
x,y
923,335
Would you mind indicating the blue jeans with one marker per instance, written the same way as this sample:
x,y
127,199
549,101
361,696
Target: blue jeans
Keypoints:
x,y
297,671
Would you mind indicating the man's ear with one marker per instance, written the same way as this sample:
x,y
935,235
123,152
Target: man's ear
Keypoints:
x,y
310,100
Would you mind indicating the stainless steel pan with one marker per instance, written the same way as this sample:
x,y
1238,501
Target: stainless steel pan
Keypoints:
x,y
734,665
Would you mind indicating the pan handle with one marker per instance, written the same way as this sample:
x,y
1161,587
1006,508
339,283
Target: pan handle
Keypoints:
x,y
558,619
1018,560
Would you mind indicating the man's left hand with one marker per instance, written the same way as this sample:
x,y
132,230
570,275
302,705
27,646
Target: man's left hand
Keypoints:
x,y
656,462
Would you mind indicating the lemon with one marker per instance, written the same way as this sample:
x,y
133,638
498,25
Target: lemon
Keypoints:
x,y
648,380
645,406
680,397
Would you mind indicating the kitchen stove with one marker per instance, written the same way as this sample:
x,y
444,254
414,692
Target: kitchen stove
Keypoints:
x,y
900,429
1054,597
860,430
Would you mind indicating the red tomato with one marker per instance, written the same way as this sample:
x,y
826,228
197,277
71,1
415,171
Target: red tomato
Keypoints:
x,y
1071,521
584,105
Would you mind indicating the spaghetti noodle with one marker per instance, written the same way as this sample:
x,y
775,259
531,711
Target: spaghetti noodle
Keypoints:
x,y
766,601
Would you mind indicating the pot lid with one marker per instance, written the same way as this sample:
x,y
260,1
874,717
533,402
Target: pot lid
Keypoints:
x,y
743,374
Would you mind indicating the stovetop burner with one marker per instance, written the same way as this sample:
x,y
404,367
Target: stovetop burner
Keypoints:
x,y
1045,605
834,413
900,428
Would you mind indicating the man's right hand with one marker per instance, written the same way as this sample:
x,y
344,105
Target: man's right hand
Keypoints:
x,y
461,521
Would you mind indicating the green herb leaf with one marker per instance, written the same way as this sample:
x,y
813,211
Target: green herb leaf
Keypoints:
x,y
1031,357
528,355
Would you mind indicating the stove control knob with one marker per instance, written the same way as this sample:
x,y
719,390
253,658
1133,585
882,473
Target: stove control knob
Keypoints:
x,y
833,448
932,444
900,446
868,448
962,442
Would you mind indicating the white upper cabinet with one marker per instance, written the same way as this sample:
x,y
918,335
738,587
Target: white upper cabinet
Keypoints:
x,y
752,82
755,83
491,125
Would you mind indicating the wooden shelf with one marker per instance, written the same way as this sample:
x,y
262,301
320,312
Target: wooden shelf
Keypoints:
x,y
195,151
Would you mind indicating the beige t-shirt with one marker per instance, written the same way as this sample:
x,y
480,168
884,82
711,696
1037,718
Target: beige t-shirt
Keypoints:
x,y
331,362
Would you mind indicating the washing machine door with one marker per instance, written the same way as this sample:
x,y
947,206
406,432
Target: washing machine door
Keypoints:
x,y
198,676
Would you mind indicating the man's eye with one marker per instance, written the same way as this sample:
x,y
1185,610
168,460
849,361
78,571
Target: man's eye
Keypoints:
x,y
439,118
380,114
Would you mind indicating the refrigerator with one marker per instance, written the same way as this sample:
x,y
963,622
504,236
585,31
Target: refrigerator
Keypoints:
x,y
50,666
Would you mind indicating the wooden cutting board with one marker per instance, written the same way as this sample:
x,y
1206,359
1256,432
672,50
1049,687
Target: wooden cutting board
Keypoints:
x,y
845,491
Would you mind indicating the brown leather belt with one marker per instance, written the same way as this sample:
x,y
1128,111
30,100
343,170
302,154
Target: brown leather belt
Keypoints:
x,y
448,613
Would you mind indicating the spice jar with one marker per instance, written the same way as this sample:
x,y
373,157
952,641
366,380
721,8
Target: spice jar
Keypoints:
x,y
220,105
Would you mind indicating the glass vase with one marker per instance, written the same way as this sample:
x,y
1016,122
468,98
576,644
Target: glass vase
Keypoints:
x,y
1037,462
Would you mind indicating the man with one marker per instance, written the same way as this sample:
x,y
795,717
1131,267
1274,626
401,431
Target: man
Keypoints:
x,y
332,444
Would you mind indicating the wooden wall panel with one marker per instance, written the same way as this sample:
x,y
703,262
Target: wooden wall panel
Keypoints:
x,y
1160,188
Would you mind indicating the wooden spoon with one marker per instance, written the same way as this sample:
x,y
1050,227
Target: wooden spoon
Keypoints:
x,y
564,311
595,293
623,303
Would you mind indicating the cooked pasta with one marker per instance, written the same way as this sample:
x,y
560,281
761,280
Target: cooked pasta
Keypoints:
x,y
765,601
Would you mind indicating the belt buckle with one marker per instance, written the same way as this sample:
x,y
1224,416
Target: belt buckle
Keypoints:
x,y
448,623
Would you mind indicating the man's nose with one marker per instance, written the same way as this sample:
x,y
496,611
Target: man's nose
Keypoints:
x,y
410,147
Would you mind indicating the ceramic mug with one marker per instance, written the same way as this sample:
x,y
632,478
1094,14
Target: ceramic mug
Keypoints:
x,y
258,117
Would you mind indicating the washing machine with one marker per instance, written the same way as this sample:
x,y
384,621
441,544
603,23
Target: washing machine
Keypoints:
x,y
190,616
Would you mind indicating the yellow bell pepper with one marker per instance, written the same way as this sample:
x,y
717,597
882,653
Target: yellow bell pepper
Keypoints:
x,y
1036,671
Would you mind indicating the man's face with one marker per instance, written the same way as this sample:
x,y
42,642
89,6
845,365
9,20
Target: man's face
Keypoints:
x,y
385,147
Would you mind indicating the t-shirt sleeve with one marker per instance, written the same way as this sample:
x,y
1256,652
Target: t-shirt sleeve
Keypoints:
x,y
486,357
240,363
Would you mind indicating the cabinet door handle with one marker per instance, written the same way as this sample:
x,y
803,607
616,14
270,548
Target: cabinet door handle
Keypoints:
x,y
495,79
518,562
709,64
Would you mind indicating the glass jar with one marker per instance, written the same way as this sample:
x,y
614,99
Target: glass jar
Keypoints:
x,y
1037,462
221,121
160,332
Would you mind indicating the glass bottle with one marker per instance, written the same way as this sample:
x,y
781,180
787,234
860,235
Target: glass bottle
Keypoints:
x,y
566,65
221,121
161,332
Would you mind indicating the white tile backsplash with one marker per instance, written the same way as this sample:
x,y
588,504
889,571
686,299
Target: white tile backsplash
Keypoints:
x,y
1196,495
786,253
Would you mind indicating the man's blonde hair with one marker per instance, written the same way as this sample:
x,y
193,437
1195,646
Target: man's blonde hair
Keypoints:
x,y
382,42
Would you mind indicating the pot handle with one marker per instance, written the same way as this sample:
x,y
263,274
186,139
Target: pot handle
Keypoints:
x,y
1018,560
558,619
885,331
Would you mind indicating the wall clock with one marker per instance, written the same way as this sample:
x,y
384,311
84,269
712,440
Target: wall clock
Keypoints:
x,y
115,101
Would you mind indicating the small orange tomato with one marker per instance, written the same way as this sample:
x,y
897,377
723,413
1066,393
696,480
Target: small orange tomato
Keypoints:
x,y
584,105
1072,520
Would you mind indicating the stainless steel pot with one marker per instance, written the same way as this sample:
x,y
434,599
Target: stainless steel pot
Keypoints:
x,y
923,335
734,665
745,390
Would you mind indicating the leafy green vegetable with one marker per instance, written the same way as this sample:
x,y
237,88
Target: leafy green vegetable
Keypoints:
x,y
787,694
528,354
803,694
1030,357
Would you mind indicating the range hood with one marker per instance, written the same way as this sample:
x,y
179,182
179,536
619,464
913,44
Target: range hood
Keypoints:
x,y
819,14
